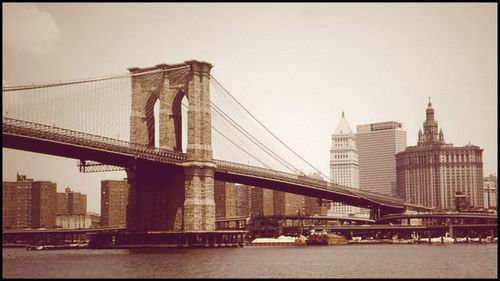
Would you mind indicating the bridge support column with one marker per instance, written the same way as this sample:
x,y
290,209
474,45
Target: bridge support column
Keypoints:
x,y
163,196
156,197
199,203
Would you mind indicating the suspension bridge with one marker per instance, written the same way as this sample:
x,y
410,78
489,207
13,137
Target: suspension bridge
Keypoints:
x,y
201,134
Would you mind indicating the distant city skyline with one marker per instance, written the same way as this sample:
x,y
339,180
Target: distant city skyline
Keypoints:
x,y
296,68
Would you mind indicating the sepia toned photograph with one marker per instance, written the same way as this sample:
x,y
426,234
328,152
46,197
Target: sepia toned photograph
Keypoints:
x,y
249,140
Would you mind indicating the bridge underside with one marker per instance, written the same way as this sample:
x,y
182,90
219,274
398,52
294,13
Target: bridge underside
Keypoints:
x,y
168,179
380,209
61,149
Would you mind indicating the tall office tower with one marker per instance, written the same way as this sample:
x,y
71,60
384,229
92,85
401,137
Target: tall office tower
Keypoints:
x,y
225,199
377,146
261,202
344,166
29,204
490,192
435,174
71,203
114,199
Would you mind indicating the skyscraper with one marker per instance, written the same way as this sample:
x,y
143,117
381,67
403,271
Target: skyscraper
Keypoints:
x,y
433,173
344,166
377,145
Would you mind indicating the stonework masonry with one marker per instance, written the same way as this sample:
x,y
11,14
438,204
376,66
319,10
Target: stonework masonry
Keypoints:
x,y
164,198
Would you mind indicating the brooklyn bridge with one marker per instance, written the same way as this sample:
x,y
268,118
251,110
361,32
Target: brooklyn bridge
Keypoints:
x,y
202,134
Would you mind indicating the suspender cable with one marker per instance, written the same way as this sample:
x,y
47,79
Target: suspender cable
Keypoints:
x,y
269,131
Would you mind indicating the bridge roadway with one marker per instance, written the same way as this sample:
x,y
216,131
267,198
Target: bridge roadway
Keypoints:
x,y
485,217
40,138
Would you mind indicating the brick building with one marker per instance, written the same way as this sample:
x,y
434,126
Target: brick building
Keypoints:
x,y
225,199
71,203
261,201
29,204
114,198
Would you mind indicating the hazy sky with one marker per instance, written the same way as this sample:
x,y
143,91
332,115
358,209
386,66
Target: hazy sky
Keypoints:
x,y
296,67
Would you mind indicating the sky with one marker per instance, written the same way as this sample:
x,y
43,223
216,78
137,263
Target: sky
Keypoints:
x,y
296,67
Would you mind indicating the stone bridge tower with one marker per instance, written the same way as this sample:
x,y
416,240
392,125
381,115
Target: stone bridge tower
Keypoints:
x,y
162,196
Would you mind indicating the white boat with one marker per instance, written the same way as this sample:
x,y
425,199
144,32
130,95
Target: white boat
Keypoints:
x,y
442,239
280,241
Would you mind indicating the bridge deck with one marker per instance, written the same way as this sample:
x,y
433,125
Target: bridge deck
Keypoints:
x,y
52,140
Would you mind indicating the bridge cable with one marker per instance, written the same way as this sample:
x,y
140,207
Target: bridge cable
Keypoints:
x,y
266,127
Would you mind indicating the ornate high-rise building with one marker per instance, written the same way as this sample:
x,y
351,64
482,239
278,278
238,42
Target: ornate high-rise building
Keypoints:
x,y
433,173
344,165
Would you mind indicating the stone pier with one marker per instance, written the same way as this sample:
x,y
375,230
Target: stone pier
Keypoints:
x,y
163,197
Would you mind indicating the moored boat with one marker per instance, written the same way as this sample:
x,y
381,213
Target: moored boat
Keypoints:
x,y
324,238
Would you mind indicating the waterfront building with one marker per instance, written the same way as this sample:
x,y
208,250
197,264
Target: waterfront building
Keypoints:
x,y
95,219
490,192
287,204
436,174
71,203
344,165
313,205
261,202
114,198
77,221
242,200
29,204
377,143
225,200
232,200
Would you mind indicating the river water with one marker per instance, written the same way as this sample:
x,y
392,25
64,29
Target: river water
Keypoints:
x,y
365,261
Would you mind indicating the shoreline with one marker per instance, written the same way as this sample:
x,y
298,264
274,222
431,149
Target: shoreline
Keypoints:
x,y
76,246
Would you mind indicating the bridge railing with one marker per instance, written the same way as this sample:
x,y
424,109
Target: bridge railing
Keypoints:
x,y
305,180
47,132
279,175
370,194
